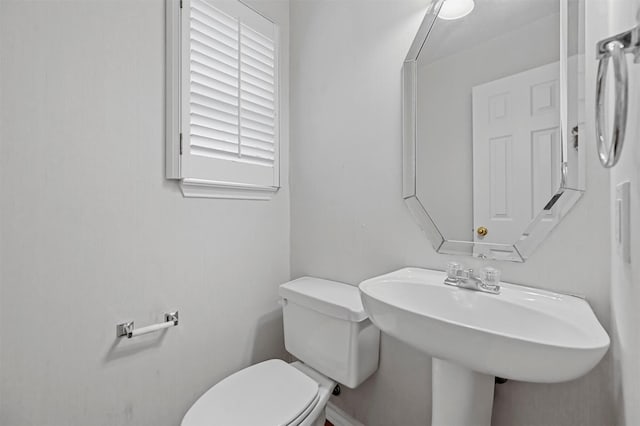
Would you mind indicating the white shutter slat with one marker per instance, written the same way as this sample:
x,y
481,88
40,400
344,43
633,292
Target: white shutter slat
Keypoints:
x,y
250,133
204,111
218,121
247,86
257,161
251,108
209,66
268,104
251,95
213,95
213,79
209,46
268,120
214,100
206,132
259,127
210,36
258,81
213,147
256,56
218,22
205,137
264,41
262,99
258,144
211,51
259,74
223,19
266,51
257,154
213,153
253,62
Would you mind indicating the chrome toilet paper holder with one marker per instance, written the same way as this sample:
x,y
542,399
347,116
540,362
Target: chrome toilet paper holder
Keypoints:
x,y
128,328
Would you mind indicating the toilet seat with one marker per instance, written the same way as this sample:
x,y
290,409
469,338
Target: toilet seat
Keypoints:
x,y
270,393
298,420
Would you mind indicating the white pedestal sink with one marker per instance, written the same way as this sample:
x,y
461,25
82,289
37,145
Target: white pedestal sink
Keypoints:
x,y
522,334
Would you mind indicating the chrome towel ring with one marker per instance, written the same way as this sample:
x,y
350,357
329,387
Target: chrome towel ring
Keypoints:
x,y
614,48
610,153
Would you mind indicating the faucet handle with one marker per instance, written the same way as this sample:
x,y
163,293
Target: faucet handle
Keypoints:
x,y
491,276
453,269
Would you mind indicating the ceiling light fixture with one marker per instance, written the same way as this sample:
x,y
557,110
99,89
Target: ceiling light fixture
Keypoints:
x,y
455,9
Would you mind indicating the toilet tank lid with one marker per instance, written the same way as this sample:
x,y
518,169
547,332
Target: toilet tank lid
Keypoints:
x,y
332,298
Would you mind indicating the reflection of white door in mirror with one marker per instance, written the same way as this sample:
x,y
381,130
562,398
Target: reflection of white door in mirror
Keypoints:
x,y
516,152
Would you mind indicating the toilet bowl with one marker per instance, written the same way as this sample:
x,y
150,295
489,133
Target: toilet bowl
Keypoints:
x,y
326,328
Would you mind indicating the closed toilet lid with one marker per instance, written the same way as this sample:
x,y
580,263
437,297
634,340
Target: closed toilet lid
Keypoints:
x,y
271,393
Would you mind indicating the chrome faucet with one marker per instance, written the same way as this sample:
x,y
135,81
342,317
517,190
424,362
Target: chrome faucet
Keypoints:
x,y
487,282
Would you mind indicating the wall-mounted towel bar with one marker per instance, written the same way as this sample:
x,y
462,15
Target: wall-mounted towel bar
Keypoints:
x,y
614,49
127,328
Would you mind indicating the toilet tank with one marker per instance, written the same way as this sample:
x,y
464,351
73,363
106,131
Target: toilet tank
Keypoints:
x,y
326,327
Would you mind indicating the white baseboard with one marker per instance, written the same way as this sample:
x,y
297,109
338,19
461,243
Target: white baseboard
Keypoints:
x,y
339,418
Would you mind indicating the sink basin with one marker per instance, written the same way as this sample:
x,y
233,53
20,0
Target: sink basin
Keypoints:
x,y
522,333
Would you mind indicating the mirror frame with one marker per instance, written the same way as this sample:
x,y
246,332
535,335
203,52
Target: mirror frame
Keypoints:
x,y
565,197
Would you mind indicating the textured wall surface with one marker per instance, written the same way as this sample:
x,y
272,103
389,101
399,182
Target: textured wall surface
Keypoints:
x,y
93,235
349,222
610,18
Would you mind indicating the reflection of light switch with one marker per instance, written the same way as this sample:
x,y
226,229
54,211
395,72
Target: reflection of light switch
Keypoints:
x,y
623,220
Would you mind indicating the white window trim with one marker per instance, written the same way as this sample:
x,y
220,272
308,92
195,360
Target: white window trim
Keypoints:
x,y
198,188
193,187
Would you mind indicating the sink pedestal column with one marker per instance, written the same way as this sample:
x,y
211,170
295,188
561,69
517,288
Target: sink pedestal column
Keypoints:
x,y
460,396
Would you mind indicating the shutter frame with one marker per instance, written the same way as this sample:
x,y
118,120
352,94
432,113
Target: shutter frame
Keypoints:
x,y
203,158
172,89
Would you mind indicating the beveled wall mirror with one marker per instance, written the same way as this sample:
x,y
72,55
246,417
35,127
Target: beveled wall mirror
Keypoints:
x,y
492,114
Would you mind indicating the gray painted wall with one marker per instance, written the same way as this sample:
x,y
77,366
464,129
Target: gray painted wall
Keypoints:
x,y
349,222
92,234
609,18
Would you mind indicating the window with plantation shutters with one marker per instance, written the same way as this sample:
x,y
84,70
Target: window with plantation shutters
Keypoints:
x,y
224,63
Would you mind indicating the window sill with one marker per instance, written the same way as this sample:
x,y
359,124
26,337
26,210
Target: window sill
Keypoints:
x,y
197,188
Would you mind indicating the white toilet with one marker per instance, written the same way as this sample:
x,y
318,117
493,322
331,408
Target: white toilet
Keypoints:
x,y
327,329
